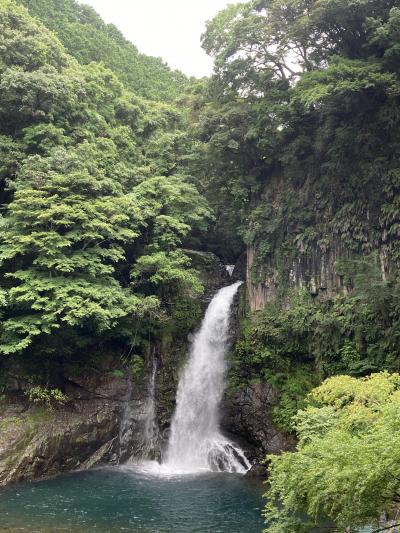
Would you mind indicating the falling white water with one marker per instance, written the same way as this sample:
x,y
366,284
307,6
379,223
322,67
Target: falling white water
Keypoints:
x,y
230,269
196,442
150,429
139,430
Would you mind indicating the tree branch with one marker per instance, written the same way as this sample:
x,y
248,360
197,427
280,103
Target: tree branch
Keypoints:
x,y
385,528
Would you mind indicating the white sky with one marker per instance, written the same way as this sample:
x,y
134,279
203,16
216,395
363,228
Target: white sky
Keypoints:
x,y
170,29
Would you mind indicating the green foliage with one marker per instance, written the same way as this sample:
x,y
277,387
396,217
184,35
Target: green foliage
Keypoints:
x,y
98,205
293,389
117,373
185,316
46,396
297,341
25,44
168,270
342,79
137,365
256,43
300,127
6,422
346,467
64,235
87,38
299,140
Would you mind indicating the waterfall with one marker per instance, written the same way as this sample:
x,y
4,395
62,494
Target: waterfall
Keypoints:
x,y
150,425
230,269
139,430
196,442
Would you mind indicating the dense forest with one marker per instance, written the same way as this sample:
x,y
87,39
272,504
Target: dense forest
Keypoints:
x,y
116,173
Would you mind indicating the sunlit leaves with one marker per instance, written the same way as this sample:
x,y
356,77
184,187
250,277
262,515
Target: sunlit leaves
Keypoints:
x,y
346,468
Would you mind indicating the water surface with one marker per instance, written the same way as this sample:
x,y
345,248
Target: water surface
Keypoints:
x,y
123,499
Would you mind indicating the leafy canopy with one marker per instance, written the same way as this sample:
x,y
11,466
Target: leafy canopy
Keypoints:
x,y
98,206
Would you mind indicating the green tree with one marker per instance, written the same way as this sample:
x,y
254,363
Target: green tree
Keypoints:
x,y
97,205
346,467
300,124
173,207
62,239
88,38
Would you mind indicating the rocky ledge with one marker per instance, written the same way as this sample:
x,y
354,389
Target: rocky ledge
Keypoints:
x,y
37,442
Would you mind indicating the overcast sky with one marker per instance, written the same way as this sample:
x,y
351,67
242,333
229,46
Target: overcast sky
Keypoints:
x,y
170,29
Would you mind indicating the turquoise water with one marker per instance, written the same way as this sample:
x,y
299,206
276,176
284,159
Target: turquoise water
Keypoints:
x,y
117,499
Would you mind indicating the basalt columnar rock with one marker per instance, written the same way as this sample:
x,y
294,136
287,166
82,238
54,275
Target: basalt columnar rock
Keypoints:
x,y
316,270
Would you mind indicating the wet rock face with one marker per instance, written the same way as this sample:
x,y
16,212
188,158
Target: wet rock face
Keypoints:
x,y
36,442
246,413
104,424
213,273
133,431
246,417
139,436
